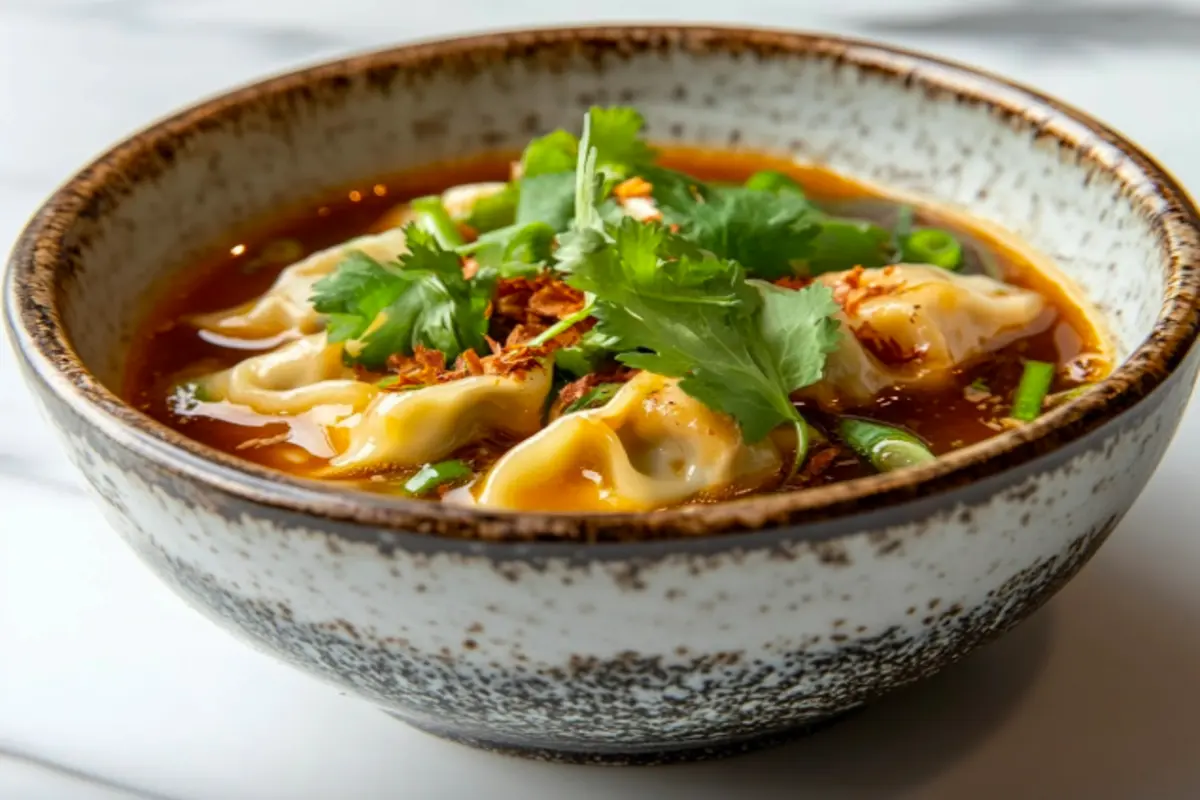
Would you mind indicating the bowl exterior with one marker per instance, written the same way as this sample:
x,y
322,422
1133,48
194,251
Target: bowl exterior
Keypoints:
x,y
630,653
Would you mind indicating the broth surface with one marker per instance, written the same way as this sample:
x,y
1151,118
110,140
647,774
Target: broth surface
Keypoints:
x,y
973,408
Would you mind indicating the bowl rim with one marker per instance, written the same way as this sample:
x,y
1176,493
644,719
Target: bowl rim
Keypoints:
x,y
37,330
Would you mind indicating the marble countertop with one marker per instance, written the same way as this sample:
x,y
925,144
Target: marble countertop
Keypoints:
x,y
110,687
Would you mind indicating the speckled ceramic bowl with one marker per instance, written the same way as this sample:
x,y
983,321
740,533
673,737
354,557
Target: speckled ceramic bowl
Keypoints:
x,y
678,634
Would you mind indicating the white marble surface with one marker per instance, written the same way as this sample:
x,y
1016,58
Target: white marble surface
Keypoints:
x,y
104,672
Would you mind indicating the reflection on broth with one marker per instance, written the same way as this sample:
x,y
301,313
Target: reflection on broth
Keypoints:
x,y
596,326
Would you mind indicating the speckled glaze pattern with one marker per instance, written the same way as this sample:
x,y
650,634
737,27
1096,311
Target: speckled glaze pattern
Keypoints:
x,y
625,639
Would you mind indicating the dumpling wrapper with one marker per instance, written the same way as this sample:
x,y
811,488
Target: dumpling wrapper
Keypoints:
x,y
371,428
418,426
292,379
284,309
949,319
651,446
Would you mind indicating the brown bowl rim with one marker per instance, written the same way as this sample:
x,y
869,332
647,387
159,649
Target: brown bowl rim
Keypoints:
x,y
34,320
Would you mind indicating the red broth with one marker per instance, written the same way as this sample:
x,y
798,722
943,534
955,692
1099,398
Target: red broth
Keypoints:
x,y
953,417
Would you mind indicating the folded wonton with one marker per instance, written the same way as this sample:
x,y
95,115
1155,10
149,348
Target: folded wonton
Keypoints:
x,y
652,445
285,307
911,325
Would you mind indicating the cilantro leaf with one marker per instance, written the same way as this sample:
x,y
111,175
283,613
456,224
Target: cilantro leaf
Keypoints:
x,y
683,314
357,278
548,198
585,356
554,152
616,134
381,309
844,244
549,164
514,249
763,231
799,330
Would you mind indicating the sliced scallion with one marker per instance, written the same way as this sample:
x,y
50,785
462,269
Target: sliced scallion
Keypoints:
x,y
885,447
1031,391
932,246
431,476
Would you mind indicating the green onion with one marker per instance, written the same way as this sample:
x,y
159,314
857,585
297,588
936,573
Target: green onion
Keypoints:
x,y
802,442
771,181
932,246
433,217
1031,391
598,396
886,448
431,476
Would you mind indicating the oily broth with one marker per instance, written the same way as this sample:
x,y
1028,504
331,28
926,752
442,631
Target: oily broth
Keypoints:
x,y
168,350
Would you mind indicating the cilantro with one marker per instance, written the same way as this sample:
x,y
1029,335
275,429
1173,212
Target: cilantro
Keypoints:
x,y
554,152
423,298
763,231
844,244
738,348
548,165
770,180
594,398
800,330
616,135
586,355
513,250
677,190
547,198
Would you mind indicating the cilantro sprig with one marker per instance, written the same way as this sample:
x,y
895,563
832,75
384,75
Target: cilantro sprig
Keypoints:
x,y
739,347
675,304
420,299
548,165
766,232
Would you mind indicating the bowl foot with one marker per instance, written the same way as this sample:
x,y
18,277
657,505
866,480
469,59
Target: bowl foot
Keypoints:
x,y
648,757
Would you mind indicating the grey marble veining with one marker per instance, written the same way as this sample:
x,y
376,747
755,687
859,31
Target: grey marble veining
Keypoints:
x,y
1060,28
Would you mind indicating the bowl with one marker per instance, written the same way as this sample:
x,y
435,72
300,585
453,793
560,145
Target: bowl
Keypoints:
x,y
626,638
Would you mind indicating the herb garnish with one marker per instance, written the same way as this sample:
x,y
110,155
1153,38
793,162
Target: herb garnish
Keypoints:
x,y
765,232
422,298
737,347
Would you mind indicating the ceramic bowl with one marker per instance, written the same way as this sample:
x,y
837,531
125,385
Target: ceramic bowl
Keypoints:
x,y
626,638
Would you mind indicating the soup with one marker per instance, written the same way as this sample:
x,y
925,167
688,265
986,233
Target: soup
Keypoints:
x,y
599,326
